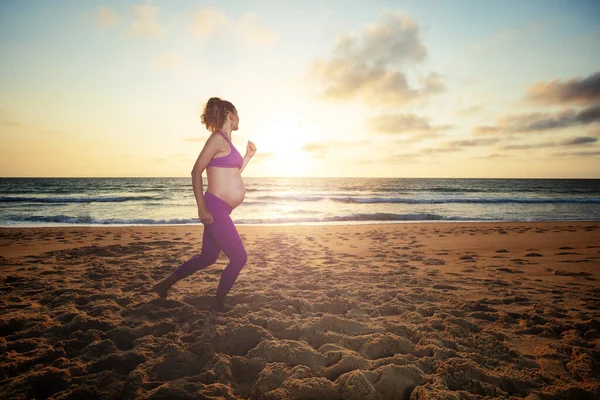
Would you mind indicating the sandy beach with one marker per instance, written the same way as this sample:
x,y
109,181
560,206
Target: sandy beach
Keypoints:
x,y
382,311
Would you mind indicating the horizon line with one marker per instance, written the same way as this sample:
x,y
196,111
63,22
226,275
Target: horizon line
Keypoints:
x,y
284,177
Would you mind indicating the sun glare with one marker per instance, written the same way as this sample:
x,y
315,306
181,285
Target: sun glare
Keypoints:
x,y
287,163
283,137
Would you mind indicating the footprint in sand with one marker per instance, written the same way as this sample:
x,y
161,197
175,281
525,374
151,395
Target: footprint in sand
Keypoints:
x,y
509,270
561,272
434,261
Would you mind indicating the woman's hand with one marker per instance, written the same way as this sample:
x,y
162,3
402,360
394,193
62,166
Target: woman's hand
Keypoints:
x,y
250,149
205,216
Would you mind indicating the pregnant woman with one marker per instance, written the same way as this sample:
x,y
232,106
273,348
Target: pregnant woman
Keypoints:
x,y
225,191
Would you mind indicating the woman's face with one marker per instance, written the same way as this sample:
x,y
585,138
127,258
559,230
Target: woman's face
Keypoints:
x,y
235,120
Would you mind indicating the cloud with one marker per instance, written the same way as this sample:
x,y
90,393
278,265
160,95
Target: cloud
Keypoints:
x,y
581,91
594,130
455,146
168,60
529,146
207,21
255,31
489,156
11,123
106,17
434,83
397,159
440,149
320,149
145,21
486,130
567,142
540,122
578,140
316,149
249,27
371,66
595,153
469,111
263,156
458,144
405,123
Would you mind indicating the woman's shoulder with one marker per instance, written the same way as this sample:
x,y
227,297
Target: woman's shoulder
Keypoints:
x,y
214,136
215,139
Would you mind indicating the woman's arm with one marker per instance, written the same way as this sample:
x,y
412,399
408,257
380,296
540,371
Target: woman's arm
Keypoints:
x,y
250,151
208,152
246,159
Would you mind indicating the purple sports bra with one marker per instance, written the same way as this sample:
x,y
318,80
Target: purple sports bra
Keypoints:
x,y
232,160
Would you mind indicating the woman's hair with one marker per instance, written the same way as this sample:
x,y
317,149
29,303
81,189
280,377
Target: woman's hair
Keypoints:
x,y
215,112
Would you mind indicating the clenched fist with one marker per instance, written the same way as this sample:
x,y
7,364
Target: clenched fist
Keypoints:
x,y
250,149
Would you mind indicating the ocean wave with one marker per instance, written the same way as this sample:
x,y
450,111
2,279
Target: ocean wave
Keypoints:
x,y
98,199
399,190
16,220
450,190
357,217
290,197
66,219
400,200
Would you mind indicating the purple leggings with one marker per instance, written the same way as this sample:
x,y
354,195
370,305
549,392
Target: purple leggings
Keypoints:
x,y
220,235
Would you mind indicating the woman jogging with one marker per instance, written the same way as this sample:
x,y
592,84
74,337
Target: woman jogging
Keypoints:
x,y
225,191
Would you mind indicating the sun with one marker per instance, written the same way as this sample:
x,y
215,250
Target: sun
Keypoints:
x,y
283,139
287,163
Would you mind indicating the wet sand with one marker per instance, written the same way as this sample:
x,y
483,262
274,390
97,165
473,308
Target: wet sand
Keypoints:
x,y
394,311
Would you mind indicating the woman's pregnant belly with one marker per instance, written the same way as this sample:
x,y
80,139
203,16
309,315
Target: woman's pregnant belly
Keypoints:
x,y
227,184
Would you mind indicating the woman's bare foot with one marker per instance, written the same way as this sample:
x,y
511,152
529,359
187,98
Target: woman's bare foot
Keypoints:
x,y
219,305
163,287
160,289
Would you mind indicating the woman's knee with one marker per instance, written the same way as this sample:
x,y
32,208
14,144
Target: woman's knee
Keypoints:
x,y
208,259
240,258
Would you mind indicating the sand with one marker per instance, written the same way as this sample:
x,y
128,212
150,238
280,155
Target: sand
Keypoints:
x,y
394,311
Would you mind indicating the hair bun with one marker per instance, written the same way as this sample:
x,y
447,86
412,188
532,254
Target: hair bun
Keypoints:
x,y
215,113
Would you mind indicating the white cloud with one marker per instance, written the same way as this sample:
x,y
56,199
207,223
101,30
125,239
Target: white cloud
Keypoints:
x,y
145,22
374,65
249,27
254,31
206,22
405,123
106,17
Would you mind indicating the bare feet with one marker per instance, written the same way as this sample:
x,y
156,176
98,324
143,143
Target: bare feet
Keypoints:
x,y
219,305
221,308
161,289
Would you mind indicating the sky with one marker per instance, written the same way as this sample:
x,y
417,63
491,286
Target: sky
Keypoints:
x,y
437,89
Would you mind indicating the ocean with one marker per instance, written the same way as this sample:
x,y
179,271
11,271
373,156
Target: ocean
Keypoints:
x,y
159,201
